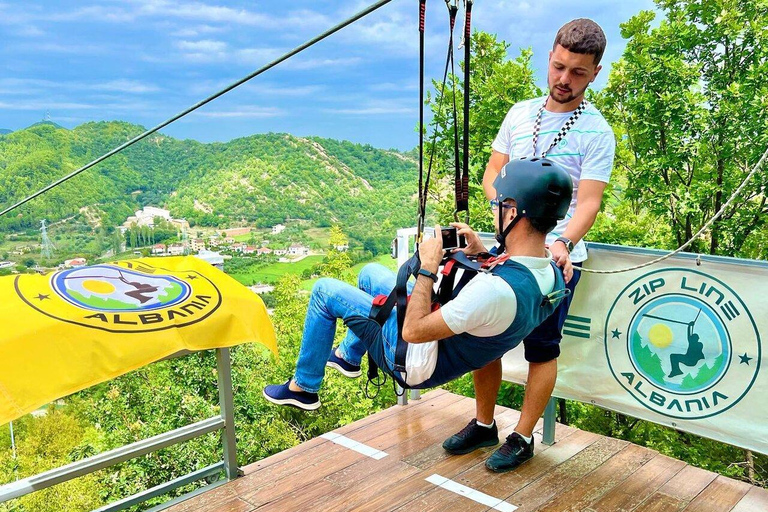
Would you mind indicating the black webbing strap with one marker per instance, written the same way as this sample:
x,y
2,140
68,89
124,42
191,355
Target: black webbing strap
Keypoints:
x,y
462,190
424,184
408,269
422,20
453,11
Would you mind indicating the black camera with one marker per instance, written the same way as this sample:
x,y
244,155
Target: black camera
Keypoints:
x,y
451,239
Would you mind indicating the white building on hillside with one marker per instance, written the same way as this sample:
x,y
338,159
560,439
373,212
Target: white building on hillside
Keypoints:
x,y
298,250
277,229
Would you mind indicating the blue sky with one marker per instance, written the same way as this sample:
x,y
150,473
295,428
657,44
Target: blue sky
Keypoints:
x,y
145,60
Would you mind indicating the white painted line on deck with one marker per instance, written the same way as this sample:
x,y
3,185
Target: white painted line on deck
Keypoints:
x,y
354,445
472,494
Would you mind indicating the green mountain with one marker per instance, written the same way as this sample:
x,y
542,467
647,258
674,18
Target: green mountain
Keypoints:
x,y
4,131
259,180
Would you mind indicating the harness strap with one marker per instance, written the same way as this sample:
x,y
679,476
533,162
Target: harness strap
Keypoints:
x,y
462,191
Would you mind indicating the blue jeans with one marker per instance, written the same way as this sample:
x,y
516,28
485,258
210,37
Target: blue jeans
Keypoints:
x,y
332,299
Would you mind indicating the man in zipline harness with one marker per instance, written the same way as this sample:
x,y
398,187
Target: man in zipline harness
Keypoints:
x,y
692,356
562,127
486,316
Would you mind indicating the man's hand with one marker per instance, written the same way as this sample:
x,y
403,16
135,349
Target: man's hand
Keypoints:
x,y
431,252
474,245
562,259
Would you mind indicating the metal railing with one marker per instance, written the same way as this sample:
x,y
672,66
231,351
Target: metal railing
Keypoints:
x,y
224,422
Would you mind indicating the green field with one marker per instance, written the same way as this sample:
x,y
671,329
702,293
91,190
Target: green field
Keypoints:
x,y
384,259
271,273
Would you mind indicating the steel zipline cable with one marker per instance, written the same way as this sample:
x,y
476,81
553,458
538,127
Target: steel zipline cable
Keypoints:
x,y
698,233
368,10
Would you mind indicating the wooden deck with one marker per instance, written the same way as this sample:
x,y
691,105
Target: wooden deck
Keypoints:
x,y
406,469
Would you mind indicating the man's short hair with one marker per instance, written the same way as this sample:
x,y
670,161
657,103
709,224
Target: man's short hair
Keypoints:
x,y
541,225
583,36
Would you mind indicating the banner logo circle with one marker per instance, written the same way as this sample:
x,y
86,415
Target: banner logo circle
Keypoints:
x,y
669,342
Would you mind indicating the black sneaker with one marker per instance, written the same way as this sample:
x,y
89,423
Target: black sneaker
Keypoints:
x,y
511,454
472,437
346,369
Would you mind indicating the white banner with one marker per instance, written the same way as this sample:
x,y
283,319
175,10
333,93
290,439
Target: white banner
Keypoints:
x,y
677,343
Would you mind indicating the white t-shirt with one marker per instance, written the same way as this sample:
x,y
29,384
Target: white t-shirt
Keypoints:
x,y
485,307
586,151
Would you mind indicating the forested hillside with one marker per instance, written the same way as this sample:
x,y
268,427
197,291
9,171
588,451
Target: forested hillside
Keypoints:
x,y
259,180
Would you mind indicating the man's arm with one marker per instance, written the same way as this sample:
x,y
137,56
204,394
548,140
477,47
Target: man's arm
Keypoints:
x,y
421,323
495,163
588,201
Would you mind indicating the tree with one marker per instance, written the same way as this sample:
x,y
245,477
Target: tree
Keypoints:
x,y
337,263
691,97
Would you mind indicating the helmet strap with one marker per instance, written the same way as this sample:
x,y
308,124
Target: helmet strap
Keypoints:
x,y
501,237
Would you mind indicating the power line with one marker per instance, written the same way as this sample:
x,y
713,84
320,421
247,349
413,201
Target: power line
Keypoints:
x,y
199,104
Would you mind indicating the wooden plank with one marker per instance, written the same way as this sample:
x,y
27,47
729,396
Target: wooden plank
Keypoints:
x,y
435,453
756,500
688,483
600,481
387,494
410,421
358,483
564,476
639,485
299,497
477,476
393,433
282,477
236,505
659,502
675,495
206,500
379,416
430,438
425,400
719,496
273,490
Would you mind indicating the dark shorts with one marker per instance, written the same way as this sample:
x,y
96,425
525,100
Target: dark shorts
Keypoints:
x,y
543,344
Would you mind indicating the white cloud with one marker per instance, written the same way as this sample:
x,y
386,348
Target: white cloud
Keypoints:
x,y
375,107
196,31
298,63
29,31
127,86
73,49
25,86
396,86
203,46
45,105
245,112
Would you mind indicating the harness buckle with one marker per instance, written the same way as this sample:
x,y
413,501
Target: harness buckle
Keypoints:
x,y
380,300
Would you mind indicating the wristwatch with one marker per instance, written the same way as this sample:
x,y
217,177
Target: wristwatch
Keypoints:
x,y
425,272
567,242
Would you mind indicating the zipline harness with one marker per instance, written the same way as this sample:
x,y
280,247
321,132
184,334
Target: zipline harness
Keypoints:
x,y
383,304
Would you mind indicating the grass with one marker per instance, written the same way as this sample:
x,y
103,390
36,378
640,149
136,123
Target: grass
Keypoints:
x,y
271,273
383,259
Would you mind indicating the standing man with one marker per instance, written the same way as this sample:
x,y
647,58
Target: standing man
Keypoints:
x,y
565,128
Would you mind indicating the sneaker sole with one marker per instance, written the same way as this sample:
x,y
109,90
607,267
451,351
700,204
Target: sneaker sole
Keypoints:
x,y
292,402
506,470
344,372
464,451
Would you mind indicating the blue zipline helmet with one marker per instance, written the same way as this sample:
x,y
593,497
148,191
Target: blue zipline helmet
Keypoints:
x,y
541,188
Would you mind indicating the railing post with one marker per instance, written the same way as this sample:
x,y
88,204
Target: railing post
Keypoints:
x,y
402,396
548,437
224,370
